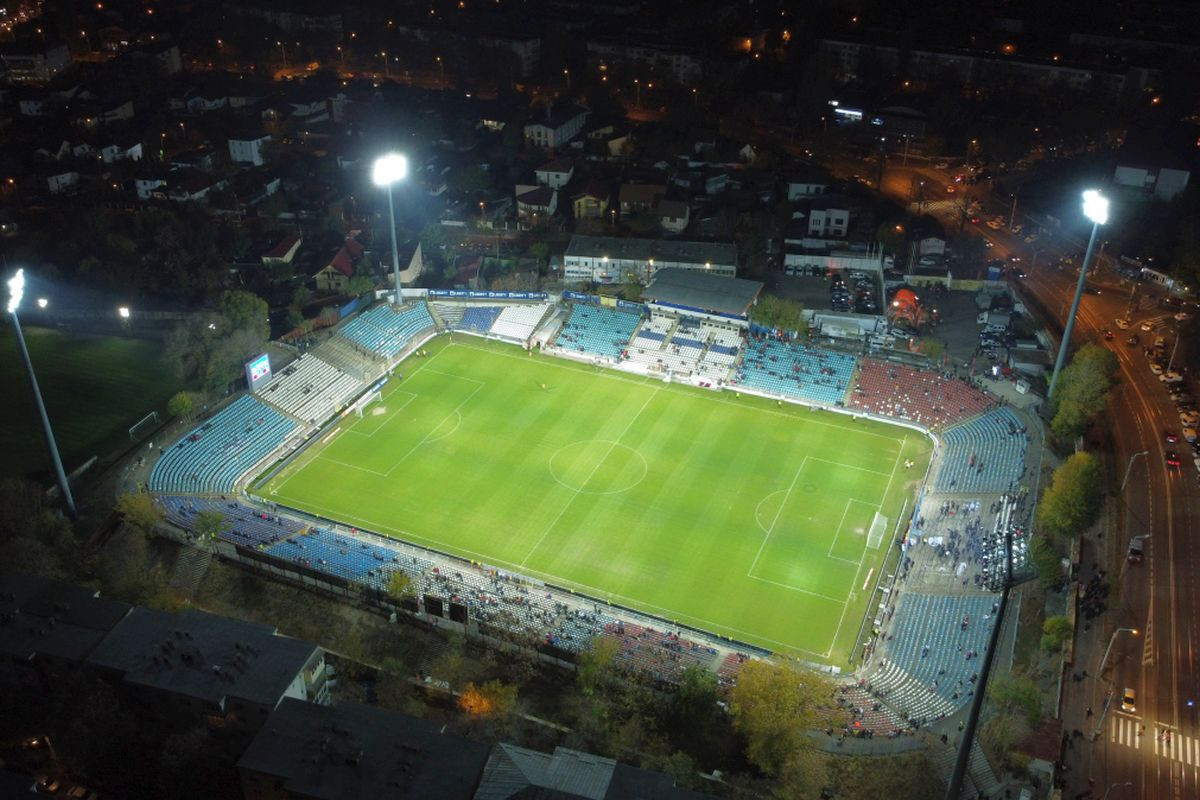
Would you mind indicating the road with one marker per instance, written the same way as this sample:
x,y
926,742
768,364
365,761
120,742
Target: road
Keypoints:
x,y
1161,597
1156,747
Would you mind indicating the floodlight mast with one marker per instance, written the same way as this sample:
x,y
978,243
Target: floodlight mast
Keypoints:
x,y
1095,208
387,170
16,291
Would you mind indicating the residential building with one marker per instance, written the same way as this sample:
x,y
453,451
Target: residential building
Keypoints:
x,y
608,259
984,67
48,628
62,182
148,187
33,62
536,203
555,174
194,188
341,267
556,126
284,251
591,202
1149,166
828,217
248,150
648,51
673,215
195,664
351,751
639,198
294,16
806,180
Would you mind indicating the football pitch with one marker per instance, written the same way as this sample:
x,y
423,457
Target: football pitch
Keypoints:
x,y
732,514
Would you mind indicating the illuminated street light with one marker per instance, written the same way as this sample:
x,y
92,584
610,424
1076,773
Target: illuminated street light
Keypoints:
x,y
1095,208
16,291
42,302
387,170
123,312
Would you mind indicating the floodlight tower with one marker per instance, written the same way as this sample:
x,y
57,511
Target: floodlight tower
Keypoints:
x,y
387,170
16,290
1095,208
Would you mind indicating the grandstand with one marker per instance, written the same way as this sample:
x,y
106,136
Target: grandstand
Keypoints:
x,y
806,373
518,322
212,457
597,331
931,660
310,389
479,319
984,455
921,395
384,332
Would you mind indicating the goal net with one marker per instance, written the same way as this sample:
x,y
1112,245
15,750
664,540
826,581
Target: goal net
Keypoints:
x,y
366,400
878,528
143,427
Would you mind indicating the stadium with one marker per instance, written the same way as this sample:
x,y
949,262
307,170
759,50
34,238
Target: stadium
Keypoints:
x,y
661,472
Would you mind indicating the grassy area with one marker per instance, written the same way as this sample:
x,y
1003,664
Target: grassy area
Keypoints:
x,y
731,514
94,387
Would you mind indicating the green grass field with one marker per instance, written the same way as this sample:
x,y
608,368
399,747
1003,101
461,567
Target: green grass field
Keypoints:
x,y
730,514
94,387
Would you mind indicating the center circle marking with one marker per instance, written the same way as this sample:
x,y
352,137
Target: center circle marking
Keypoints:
x,y
598,466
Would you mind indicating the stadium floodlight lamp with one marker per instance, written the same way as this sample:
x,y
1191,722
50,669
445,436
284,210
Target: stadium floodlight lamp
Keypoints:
x,y
16,290
123,312
388,169
1095,206
42,302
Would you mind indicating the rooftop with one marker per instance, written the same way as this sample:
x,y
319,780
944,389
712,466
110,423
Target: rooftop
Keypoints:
x,y
356,751
699,290
39,616
203,656
665,250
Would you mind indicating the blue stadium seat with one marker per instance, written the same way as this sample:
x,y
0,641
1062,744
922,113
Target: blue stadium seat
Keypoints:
x,y
983,455
797,370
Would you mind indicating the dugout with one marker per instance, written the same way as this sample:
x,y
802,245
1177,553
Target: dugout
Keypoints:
x,y
719,299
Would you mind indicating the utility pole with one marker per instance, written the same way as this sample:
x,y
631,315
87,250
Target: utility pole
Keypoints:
x,y
1012,215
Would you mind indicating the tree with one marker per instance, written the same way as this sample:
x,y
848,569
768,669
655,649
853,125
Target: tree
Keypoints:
x,y
492,699
596,663
1046,561
1072,502
1082,390
774,706
1018,694
181,405
140,511
400,585
1055,631
246,311
359,285
539,251
209,524
776,312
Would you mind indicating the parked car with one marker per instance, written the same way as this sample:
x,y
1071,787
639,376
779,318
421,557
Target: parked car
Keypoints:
x,y
1190,418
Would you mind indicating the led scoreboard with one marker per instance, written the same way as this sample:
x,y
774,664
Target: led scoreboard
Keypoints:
x,y
258,372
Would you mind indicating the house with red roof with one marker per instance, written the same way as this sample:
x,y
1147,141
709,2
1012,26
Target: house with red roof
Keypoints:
x,y
284,251
341,267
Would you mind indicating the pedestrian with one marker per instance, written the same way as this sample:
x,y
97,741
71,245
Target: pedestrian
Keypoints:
x,y
1088,712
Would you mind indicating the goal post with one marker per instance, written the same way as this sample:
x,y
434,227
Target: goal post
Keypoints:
x,y
142,427
878,528
366,400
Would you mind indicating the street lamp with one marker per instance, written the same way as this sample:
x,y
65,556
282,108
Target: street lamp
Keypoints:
x,y
387,170
1095,208
1130,467
1100,675
16,290
283,50
42,302
1113,786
